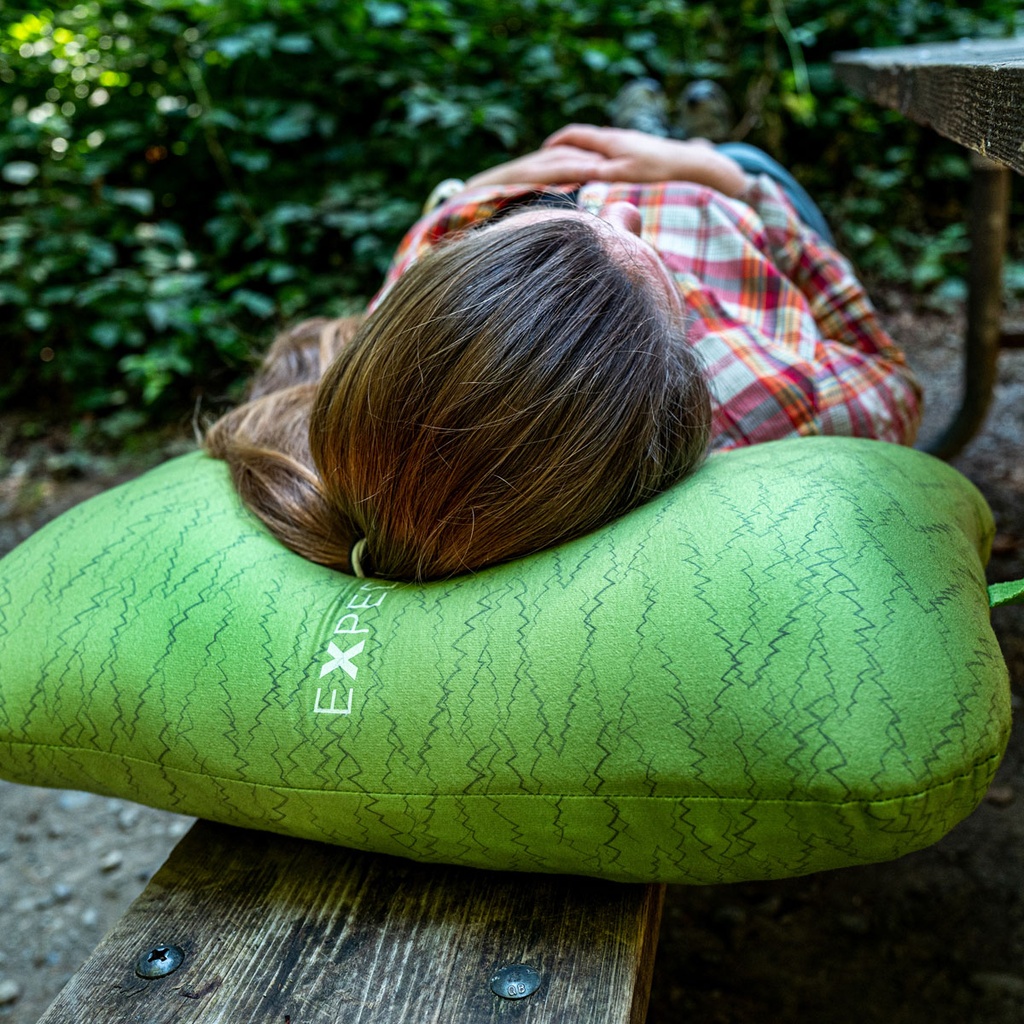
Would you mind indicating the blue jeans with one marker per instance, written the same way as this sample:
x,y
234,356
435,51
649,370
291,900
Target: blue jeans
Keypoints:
x,y
756,161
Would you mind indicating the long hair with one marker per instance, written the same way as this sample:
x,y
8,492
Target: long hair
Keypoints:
x,y
265,443
514,389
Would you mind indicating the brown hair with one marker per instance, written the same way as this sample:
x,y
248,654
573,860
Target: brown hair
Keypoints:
x,y
516,388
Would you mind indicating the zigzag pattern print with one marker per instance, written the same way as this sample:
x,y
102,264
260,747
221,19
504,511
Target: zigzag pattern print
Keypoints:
x,y
780,666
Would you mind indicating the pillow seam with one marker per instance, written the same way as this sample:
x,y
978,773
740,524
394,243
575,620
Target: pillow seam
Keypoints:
x,y
279,787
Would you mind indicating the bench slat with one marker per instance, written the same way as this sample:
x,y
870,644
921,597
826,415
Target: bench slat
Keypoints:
x,y
972,92
293,932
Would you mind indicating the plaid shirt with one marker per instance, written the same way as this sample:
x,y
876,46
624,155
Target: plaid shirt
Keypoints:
x,y
788,339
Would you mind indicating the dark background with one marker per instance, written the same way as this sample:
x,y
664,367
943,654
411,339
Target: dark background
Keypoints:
x,y
179,179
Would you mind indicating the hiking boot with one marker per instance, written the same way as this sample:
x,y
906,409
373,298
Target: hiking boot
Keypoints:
x,y
641,105
703,111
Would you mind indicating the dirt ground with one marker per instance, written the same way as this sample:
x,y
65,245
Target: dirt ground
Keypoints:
x,y
935,938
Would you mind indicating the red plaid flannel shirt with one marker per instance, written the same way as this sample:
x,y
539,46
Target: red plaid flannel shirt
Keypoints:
x,y
789,341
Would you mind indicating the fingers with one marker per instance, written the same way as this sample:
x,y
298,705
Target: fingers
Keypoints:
x,y
555,165
586,152
559,163
567,151
582,136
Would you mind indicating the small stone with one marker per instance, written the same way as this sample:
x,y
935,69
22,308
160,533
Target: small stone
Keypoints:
x,y
10,992
72,800
1005,544
90,917
730,915
54,831
66,465
1000,795
998,983
858,924
25,905
916,886
62,893
771,906
111,861
127,818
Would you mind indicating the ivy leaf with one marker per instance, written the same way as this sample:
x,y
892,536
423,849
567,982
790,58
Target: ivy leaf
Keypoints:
x,y
296,124
138,199
19,172
295,44
257,304
384,14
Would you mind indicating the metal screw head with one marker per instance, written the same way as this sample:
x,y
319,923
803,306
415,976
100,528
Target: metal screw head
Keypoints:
x,y
516,981
159,961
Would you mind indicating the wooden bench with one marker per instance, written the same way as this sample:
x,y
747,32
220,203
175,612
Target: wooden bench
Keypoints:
x,y
294,932
973,93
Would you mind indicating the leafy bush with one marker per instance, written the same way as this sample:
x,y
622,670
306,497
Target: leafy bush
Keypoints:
x,y
179,177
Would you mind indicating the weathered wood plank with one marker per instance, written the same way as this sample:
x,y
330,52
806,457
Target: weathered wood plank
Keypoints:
x,y
292,932
972,91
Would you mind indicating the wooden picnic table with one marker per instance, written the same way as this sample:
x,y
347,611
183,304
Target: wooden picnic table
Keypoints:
x,y
972,92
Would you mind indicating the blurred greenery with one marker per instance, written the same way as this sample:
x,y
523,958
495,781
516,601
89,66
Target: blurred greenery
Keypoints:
x,y
180,177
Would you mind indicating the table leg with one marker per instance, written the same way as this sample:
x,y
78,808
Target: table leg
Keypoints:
x,y
990,201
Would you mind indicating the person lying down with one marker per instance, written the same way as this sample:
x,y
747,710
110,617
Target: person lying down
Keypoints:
x,y
565,336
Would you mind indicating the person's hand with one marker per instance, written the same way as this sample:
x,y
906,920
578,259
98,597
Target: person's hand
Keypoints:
x,y
552,165
627,155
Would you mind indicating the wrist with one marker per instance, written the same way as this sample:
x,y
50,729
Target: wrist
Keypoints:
x,y
728,177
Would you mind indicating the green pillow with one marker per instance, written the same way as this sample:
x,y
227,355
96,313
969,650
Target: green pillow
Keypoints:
x,y
783,664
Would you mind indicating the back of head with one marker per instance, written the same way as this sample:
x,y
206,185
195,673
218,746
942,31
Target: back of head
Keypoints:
x,y
516,388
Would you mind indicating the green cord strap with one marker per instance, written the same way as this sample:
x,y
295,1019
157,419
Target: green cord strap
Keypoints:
x,y
1011,592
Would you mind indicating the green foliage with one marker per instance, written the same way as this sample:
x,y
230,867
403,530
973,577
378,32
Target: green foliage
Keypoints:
x,y
180,177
